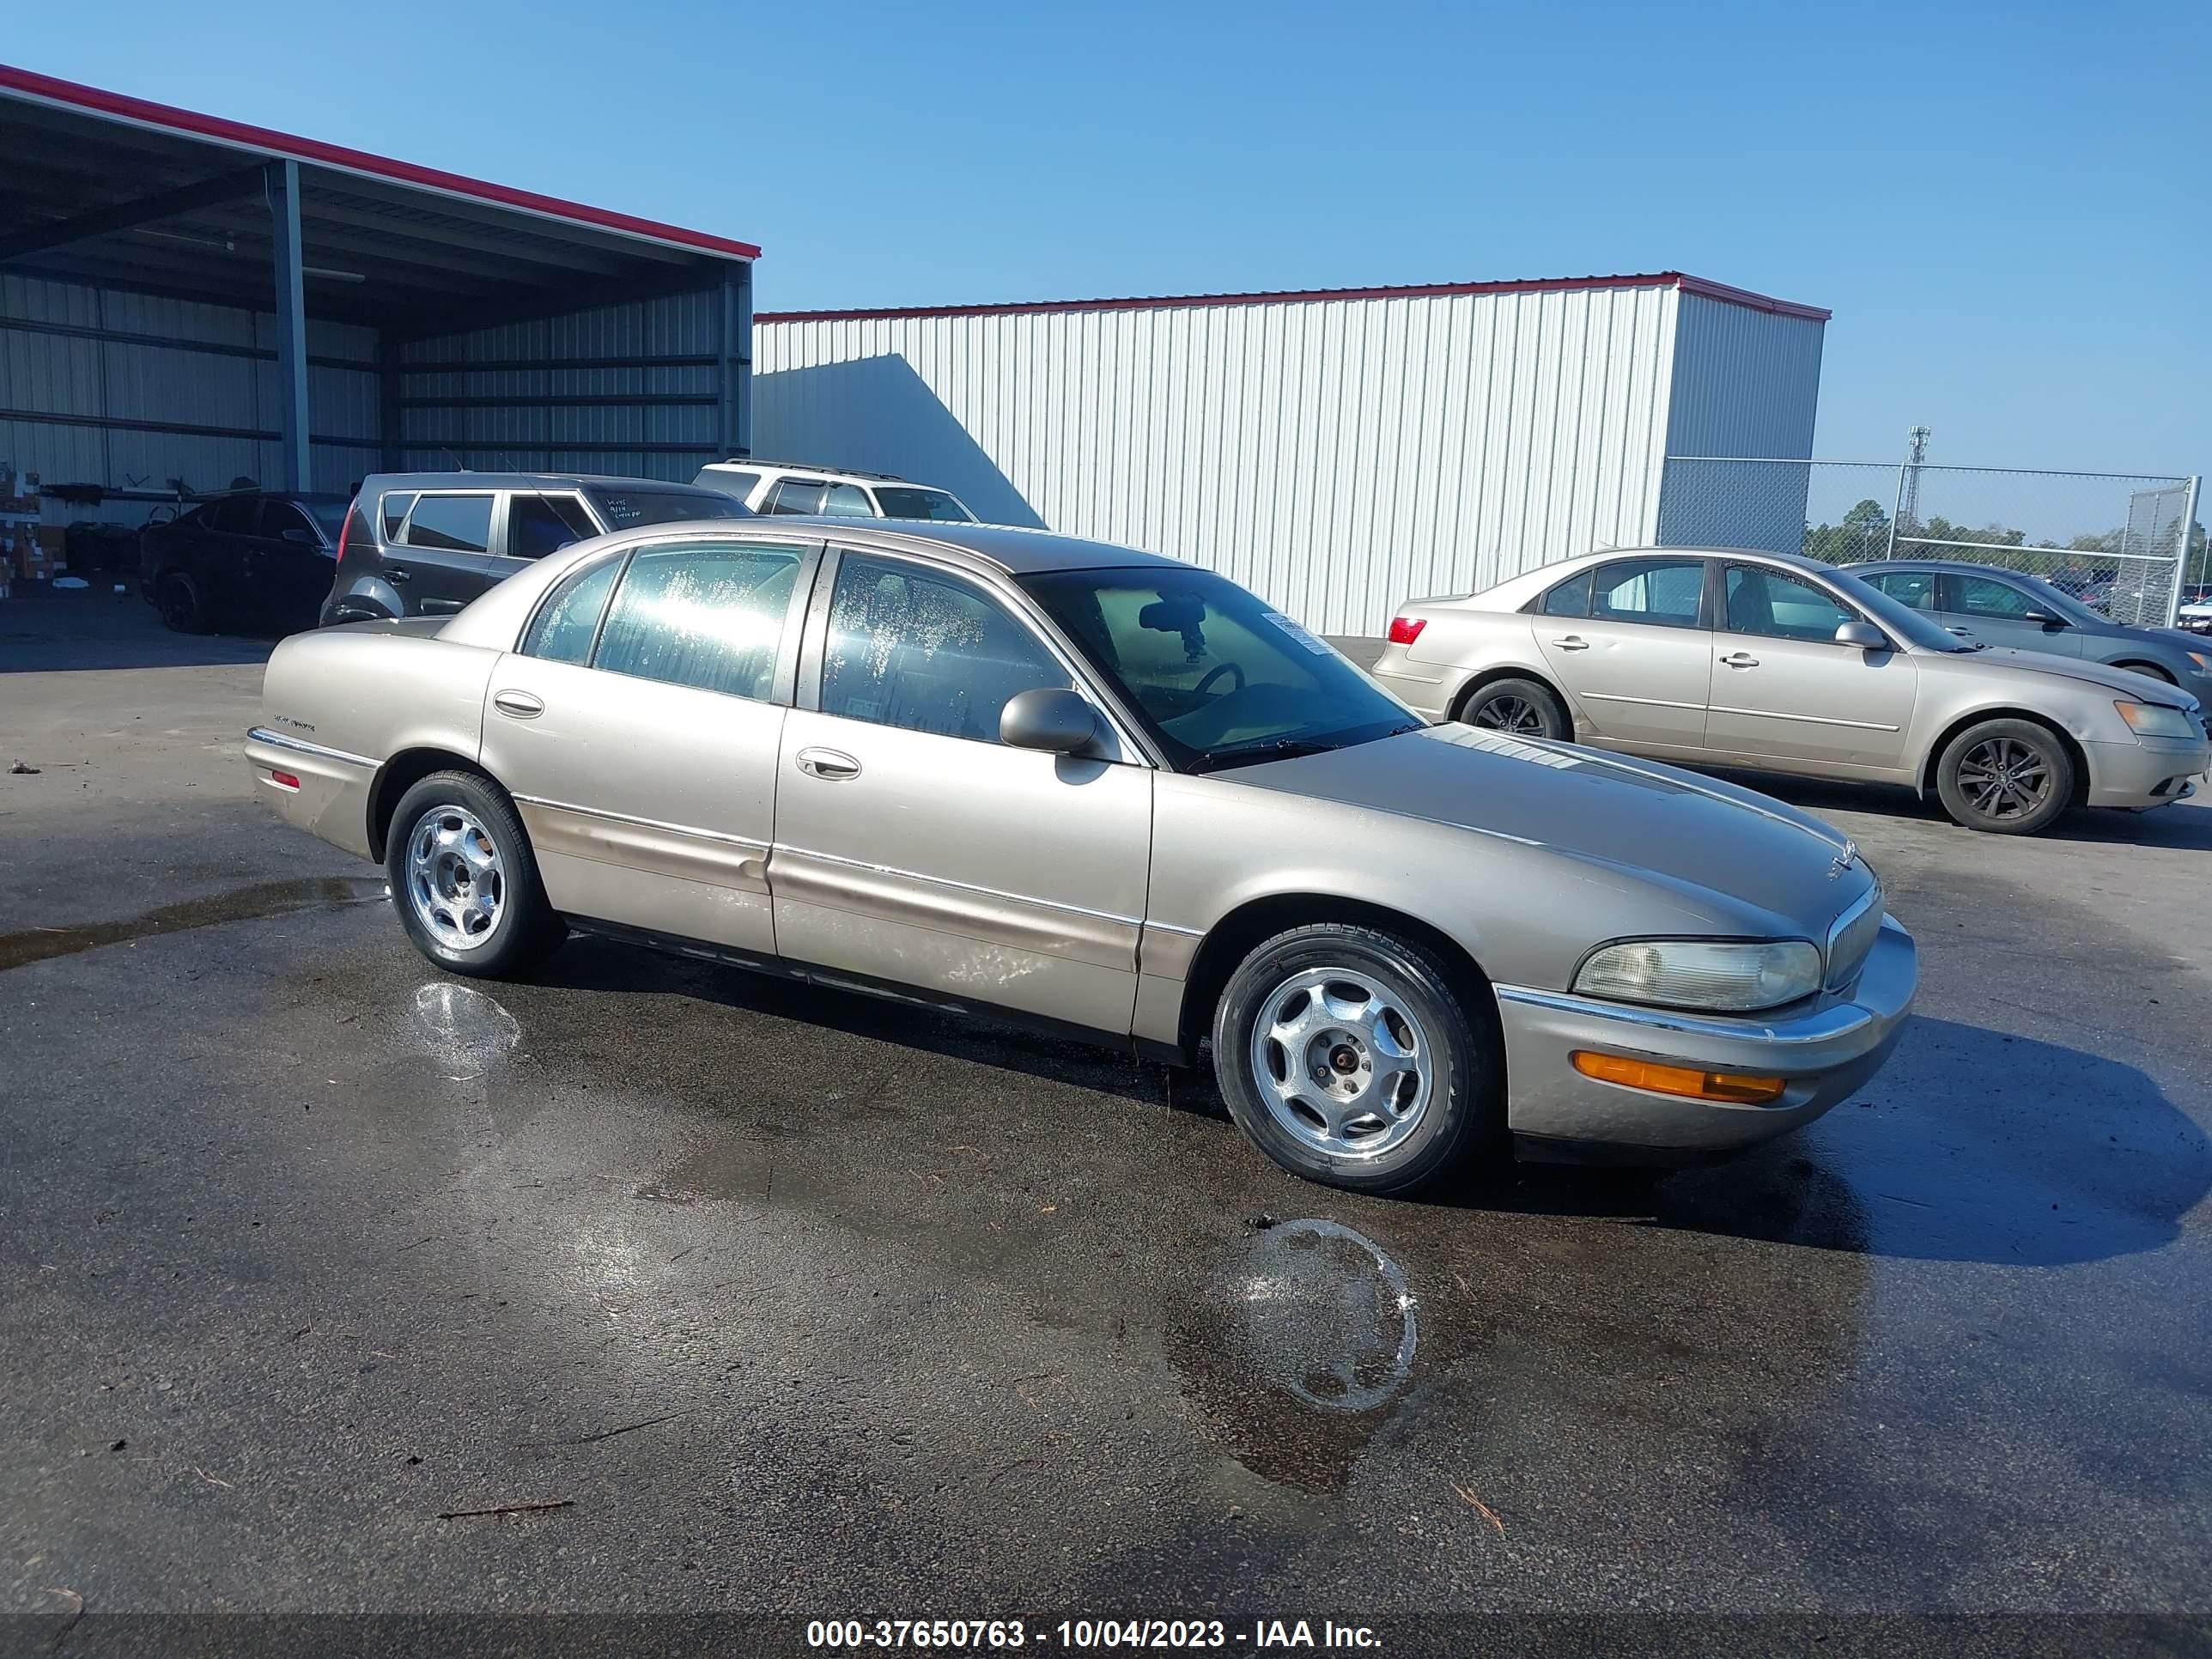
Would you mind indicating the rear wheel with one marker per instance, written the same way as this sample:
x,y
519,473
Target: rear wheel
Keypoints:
x,y
183,606
1521,709
465,880
2005,777
1345,1054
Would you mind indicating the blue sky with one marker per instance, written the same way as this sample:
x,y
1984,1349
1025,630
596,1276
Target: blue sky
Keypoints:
x,y
2004,206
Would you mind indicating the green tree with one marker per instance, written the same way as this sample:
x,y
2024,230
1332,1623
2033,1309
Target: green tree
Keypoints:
x,y
1863,534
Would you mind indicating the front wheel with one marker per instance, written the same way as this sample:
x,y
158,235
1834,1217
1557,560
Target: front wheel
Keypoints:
x,y
465,880
1344,1054
2005,778
1520,708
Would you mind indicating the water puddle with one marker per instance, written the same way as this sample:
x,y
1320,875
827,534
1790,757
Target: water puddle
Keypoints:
x,y
467,1032
274,898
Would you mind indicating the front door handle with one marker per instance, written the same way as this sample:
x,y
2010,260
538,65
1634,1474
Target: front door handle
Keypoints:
x,y
1741,659
520,704
1572,642
832,764
1963,632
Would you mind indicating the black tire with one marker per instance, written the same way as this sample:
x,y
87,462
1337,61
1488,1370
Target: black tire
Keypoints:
x,y
524,929
2005,778
183,605
1462,1113
1520,708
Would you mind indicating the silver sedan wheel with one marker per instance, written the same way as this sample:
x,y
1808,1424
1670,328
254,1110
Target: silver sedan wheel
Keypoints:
x,y
454,879
2004,778
1510,713
1341,1063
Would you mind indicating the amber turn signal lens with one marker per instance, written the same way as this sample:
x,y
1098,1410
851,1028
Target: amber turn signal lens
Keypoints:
x,y
1729,1086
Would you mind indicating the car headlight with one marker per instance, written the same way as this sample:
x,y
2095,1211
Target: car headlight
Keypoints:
x,y
2156,719
2203,663
1734,978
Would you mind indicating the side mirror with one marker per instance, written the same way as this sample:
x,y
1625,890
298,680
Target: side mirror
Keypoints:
x,y
1050,718
2043,618
1864,636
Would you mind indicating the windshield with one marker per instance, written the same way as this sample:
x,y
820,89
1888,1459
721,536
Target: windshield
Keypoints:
x,y
1898,619
626,509
1218,679
906,502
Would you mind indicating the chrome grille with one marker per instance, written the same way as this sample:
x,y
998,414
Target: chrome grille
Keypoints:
x,y
1852,938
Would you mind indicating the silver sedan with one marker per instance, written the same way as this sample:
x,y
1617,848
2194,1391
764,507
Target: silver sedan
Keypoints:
x,y
1774,663
1031,778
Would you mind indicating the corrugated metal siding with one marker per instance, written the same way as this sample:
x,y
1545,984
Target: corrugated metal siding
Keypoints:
x,y
572,380
1336,456
1745,383
131,358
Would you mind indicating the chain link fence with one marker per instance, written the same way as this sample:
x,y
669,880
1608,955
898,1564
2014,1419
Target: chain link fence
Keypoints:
x,y
2120,543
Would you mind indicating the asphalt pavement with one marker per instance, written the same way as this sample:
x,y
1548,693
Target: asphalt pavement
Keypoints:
x,y
788,1302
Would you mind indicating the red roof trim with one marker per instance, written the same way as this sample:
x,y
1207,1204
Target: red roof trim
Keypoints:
x,y
166,118
1696,285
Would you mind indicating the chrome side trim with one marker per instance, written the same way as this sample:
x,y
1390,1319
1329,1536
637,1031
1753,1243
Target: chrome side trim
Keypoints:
x,y
881,894
1809,720
1168,953
300,745
642,844
642,824
967,887
1823,1025
1641,702
1170,927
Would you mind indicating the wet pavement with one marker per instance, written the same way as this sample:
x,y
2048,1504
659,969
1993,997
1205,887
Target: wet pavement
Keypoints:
x,y
807,1303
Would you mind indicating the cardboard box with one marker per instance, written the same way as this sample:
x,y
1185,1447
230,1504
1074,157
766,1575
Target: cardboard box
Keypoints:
x,y
53,542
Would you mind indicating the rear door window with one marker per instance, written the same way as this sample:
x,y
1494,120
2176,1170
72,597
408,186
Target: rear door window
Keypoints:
x,y
453,524
234,515
538,525
796,495
1668,592
702,614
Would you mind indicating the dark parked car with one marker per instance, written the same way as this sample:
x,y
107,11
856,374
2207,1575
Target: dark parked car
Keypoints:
x,y
425,543
249,558
2004,607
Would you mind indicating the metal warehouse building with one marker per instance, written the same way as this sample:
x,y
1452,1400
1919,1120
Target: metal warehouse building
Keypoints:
x,y
1336,451
186,299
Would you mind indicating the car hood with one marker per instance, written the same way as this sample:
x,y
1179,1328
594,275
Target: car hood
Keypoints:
x,y
2141,688
1720,845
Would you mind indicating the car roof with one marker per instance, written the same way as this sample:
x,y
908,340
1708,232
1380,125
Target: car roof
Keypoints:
x,y
1961,566
747,464
1017,551
259,494
522,481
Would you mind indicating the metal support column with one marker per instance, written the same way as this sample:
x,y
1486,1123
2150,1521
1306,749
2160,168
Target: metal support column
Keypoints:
x,y
734,417
283,180
2181,554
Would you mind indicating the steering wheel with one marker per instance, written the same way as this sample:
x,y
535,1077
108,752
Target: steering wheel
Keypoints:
x,y
1216,672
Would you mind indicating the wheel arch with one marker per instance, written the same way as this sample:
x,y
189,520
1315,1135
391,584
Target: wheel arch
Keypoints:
x,y
2155,671
1491,676
401,773
2075,752
1234,937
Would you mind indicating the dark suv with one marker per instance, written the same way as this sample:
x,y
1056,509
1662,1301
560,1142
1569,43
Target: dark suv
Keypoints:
x,y
425,543
247,558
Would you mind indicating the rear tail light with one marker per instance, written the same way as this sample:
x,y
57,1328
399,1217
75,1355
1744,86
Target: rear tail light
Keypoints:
x,y
1404,631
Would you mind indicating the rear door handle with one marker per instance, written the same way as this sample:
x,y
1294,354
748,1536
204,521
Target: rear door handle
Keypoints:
x,y
1741,659
397,572
832,764
520,704
1572,642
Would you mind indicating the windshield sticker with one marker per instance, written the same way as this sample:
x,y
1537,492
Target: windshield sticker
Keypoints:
x,y
1319,647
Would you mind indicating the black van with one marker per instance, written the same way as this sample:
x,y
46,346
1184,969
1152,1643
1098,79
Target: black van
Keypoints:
x,y
425,543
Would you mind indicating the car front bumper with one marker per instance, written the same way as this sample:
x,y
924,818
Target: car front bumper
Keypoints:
x,y
2150,771
1825,1054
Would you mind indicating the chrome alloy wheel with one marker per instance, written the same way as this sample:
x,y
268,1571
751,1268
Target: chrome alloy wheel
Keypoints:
x,y
2004,778
1510,713
454,879
1340,1062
